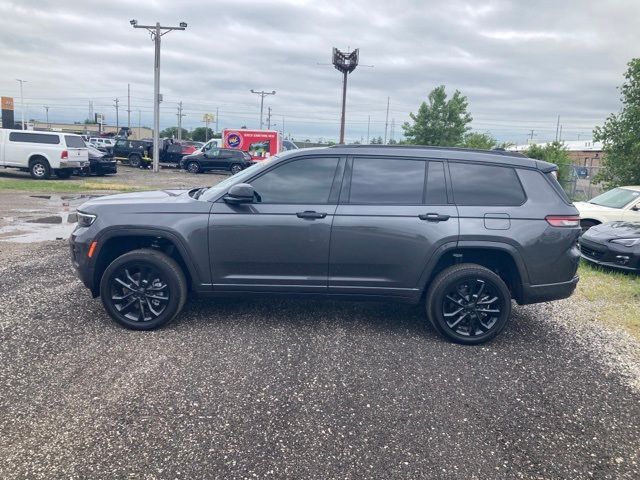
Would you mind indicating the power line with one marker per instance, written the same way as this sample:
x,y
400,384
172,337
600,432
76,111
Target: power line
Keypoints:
x,y
262,94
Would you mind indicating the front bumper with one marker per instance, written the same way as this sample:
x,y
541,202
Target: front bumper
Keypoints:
x,y
609,255
548,292
81,262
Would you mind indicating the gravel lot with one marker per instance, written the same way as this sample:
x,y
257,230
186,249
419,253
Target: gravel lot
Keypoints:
x,y
295,389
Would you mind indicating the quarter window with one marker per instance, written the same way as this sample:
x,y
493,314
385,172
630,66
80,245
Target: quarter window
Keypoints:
x,y
307,180
385,181
475,184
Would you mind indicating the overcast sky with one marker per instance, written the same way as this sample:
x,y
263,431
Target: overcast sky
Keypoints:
x,y
520,63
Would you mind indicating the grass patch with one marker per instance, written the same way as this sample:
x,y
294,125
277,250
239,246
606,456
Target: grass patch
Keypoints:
x,y
66,186
615,296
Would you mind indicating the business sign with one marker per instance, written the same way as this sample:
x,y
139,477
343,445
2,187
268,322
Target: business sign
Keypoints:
x,y
260,144
7,103
7,112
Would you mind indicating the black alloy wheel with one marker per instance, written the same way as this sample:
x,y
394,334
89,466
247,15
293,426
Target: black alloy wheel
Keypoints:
x,y
143,289
235,168
468,304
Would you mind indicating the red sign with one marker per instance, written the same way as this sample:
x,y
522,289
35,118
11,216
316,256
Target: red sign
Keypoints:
x,y
260,144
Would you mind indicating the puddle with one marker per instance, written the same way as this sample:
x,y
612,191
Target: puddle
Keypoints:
x,y
55,220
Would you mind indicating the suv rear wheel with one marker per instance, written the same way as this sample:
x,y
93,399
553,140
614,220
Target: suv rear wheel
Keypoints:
x,y
468,304
39,169
143,289
193,167
135,161
235,168
64,173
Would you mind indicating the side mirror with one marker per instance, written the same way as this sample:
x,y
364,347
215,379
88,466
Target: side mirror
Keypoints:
x,y
240,193
635,208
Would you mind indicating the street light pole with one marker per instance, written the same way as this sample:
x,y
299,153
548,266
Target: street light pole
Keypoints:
x,y
46,108
262,95
157,31
345,63
21,103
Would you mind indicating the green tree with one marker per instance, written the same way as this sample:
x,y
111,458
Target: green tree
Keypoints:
x,y
556,153
479,140
376,141
440,122
172,132
201,134
620,135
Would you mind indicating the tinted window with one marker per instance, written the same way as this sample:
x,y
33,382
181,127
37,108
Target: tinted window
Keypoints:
x,y
475,184
74,142
436,187
34,138
307,180
387,181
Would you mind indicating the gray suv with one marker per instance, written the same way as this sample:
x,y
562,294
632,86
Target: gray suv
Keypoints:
x,y
462,231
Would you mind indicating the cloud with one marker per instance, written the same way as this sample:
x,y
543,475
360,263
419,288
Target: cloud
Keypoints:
x,y
520,63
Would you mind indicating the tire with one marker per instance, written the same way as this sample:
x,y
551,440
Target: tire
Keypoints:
x,y
235,168
135,274
587,224
453,310
193,167
64,174
135,161
39,169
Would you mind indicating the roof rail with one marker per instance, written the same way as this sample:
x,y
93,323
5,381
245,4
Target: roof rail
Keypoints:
x,y
495,151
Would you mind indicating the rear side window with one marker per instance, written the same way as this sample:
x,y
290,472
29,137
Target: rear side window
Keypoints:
x,y
557,187
475,184
34,138
74,142
385,181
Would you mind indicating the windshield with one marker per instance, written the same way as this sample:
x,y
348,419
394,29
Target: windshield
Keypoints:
x,y
239,177
616,198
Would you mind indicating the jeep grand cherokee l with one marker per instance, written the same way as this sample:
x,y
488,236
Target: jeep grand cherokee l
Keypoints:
x,y
461,231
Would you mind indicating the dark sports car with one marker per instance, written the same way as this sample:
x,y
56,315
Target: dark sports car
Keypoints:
x,y
613,244
101,163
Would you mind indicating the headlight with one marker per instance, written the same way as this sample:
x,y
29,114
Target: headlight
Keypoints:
x,y
85,219
627,242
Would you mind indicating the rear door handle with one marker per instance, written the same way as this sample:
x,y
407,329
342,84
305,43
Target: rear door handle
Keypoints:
x,y
434,217
311,214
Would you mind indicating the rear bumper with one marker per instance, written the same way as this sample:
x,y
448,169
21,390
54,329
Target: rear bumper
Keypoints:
x,y
548,292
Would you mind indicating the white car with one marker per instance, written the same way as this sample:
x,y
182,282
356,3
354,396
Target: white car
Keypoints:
x,y
102,142
619,204
43,153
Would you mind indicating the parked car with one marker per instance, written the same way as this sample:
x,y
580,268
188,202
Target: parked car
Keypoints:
x,y
214,158
101,163
139,153
418,225
613,244
619,204
102,143
42,153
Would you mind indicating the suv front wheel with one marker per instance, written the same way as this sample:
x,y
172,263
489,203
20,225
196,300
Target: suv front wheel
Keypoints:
x,y
143,289
468,304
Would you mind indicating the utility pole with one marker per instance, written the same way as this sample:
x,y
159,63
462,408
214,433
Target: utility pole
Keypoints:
x,y
46,108
24,127
262,95
117,117
560,137
91,110
269,118
139,135
180,115
531,135
217,130
157,31
129,107
393,128
368,128
386,123
557,127
345,63
283,125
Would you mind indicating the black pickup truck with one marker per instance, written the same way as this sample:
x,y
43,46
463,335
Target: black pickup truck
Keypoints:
x,y
139,153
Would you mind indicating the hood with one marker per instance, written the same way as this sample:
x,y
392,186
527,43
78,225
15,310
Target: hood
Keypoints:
x,y
157,197
611,230
586,206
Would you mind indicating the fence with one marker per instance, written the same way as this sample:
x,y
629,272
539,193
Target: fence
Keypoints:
x,y
580,186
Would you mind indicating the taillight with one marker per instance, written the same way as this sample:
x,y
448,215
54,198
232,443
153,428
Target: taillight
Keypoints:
x,y
64,154
563,220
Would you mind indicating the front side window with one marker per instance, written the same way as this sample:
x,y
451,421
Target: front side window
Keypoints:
x,y
477,184
307,180
383,181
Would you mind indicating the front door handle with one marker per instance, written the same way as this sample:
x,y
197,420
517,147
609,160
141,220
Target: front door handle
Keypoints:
x,y
434,217
311,214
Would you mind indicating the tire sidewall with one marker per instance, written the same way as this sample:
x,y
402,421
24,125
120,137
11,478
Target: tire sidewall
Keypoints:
x,y
192,169
436,298
135,161
235,166
175,303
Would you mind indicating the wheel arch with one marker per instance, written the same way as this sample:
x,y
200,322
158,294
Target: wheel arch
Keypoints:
x,y
113,243
501,258
37,156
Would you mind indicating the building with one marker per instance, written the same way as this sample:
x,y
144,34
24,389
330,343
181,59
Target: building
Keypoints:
x,y
583,153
